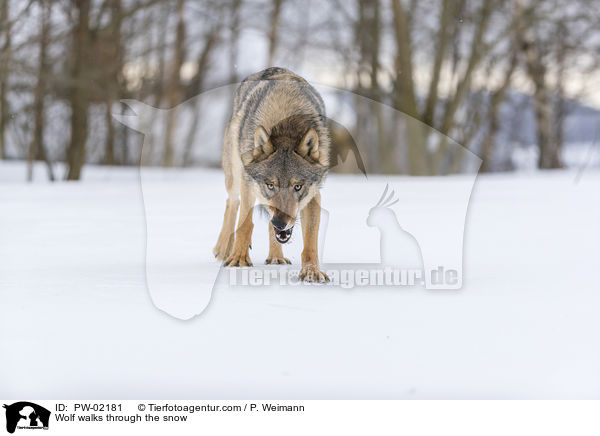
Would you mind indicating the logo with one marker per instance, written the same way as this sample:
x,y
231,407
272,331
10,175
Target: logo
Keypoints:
x,y
26,415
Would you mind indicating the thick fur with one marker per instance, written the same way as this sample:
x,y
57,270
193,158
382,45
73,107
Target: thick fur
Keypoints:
x,y
276,150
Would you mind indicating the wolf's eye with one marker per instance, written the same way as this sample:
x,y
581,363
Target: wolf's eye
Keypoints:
x,y
270,186
297,187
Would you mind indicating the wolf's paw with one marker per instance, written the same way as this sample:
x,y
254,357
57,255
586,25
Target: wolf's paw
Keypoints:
x,y
238,259
277,261
222,250
220,254
312,274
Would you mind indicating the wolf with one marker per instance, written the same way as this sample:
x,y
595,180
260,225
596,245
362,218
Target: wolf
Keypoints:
x,y
275,150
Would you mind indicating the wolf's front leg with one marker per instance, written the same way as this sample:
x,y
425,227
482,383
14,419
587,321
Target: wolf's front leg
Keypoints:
x,y
311,217
243,236
225,242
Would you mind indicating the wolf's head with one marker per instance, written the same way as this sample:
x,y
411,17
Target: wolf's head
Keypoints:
x,y
286,168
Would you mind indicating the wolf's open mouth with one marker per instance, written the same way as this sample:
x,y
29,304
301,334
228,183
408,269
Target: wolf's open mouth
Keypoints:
x,y
283,236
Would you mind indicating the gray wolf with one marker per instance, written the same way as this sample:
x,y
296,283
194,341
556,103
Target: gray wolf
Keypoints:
x,y
275,150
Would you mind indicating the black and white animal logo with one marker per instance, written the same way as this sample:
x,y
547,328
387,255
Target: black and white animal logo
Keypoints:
x,y
26,415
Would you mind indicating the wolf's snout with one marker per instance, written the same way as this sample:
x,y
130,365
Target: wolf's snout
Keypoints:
x,y
283,236
281,233
278,224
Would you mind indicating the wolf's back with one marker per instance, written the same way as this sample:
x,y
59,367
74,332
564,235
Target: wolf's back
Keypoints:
x,y
270,96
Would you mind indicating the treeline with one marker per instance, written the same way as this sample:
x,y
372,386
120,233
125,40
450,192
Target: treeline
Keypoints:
x,y
450,65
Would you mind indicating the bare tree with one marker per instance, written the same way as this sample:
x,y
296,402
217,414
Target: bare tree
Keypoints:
x,y
493,114
5,27
477,51
534,52
368,41
443,40
79,89
274,30
196,87
447,65
405,98
111,45
37,149
174,90
234,30
157,46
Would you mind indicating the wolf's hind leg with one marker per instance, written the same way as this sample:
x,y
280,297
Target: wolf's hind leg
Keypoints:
x,y
243,236
275,250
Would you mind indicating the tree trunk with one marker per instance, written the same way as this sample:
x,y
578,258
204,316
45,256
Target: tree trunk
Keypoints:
x,y
405,99
536,70
113,69
493,115
147,156
454,102
198,86
174,91
560,109
79,99
109,145
36,146
443,37
368,39
544,118
4,73
233,40
273,31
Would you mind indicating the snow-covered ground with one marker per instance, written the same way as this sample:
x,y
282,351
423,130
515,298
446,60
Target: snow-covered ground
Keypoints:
x,y
77,321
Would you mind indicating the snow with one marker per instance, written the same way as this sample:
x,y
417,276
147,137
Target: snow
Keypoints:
x,y
77,320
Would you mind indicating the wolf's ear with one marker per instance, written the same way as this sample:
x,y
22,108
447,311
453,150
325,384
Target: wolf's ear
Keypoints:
x,y
309,146
263,147
262,144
